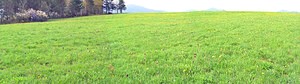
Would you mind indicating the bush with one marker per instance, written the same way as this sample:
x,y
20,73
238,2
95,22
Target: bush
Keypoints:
x,y
5,19
53,15
29,15
23,17
32,15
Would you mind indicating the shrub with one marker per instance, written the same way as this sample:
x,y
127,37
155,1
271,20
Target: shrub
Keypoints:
x,y
53,15
32,16
37,15
5,19
23,17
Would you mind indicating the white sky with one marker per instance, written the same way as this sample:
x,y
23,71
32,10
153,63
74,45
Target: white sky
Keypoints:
x,y
229,5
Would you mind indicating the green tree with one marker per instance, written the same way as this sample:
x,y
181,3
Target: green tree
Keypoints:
x,y
88,7
98,6
121,6
75,7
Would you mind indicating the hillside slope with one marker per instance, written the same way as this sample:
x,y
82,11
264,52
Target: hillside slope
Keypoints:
x,y
195,47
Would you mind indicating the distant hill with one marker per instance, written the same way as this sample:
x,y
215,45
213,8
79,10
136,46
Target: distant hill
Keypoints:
x,y
137,9
214,9
288,11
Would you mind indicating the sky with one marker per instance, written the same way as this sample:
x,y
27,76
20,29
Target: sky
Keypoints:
x,y
228,5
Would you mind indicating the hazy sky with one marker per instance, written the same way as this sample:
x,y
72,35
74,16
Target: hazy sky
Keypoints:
x,y
229,5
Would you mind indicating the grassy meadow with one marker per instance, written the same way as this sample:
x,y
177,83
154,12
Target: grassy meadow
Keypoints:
x,y
191,47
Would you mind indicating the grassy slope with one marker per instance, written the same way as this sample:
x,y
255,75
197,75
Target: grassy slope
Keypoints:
x,y
215,47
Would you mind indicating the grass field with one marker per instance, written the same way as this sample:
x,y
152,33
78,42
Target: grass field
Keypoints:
x,y
194,47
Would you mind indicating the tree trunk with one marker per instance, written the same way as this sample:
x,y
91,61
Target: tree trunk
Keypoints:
x,y
107,10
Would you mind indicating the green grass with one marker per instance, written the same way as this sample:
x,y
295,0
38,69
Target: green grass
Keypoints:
x,y
195,47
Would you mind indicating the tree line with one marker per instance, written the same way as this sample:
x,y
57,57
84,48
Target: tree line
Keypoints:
x,y
109,6
40,10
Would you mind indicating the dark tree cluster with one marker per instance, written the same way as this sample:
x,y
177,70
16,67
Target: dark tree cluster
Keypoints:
x,y
109,6
12,11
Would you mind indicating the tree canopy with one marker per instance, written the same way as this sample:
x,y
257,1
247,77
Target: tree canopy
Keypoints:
x,y
13,10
